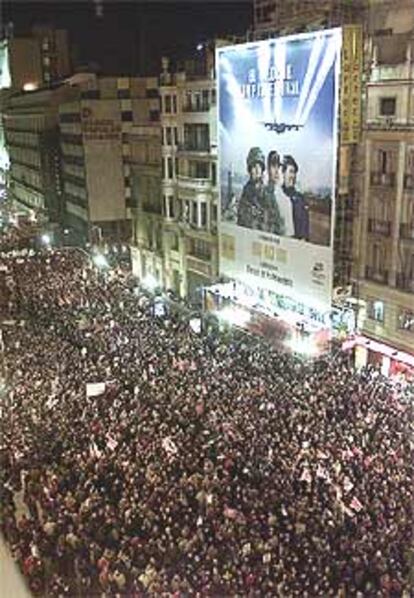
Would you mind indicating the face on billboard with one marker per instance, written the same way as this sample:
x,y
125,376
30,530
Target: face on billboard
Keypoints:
x,y
277,151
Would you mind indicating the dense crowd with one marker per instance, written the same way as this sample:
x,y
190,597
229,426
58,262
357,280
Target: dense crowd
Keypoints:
x,y
139,458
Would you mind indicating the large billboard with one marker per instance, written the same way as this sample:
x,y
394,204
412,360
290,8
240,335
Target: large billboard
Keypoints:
x,y
277,122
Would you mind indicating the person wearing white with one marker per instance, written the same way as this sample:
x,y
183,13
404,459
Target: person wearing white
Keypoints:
x,y
285,209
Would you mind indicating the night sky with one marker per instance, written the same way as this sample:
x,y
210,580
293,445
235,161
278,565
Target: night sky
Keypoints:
x,y
131,37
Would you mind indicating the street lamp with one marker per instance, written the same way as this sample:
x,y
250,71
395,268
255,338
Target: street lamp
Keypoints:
x,y
45,238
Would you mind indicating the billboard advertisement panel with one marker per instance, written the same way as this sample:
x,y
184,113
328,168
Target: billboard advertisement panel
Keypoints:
x,y
277,125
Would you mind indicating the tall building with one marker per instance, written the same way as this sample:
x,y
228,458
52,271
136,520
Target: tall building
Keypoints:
x,y
38,59
384,231
97,136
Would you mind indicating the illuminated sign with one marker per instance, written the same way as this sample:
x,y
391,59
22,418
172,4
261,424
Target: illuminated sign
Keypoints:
x,y
277,128
351,84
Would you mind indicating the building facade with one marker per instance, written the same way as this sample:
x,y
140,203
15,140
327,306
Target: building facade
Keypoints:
x,y
31,124
180,249
293,16
384,229
96,130
38,59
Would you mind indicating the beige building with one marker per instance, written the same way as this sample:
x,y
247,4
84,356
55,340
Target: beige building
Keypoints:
x,y
179,248
97,131
384,230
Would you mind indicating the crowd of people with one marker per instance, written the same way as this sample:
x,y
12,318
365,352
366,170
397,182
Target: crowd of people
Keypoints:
x,y
139,458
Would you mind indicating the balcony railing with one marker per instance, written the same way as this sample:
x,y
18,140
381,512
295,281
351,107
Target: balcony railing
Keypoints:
x,y
194,147
380,276
196,107
404,282
379,227
188,182
383,179
407,231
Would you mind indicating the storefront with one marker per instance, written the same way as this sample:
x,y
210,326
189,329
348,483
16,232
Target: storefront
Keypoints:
x,y
389,360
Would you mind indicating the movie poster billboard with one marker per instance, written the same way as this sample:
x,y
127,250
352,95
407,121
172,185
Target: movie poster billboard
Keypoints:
x,y
277,128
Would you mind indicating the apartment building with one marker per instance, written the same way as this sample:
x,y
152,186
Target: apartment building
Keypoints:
x,y
181,248
384,234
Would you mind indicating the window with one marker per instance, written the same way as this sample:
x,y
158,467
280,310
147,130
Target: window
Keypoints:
x,y
214,174
174,242
203,215
174,104
213,96
151,93
376,310
154,115
197,137
175,136
167,104
170,168
198,170
126,116
171,206
69,117
200,249
197,101
91,94
387,106
168,136
406,320
194,218
186,211
205,103
124,94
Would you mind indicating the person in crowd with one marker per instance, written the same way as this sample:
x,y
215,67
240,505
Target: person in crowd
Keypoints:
x,y
201,465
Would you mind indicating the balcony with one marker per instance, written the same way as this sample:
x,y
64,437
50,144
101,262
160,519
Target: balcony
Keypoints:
x,y
203,148
196,107
187,182
407,231
383,179
404,282
380,276
379,227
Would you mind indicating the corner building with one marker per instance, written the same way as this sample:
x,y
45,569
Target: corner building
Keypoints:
x,y
384,231
179,247
97,131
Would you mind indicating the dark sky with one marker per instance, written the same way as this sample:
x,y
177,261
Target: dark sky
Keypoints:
x,y
132,36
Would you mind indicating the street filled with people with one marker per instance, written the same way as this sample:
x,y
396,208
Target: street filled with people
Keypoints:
x,y
140,458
